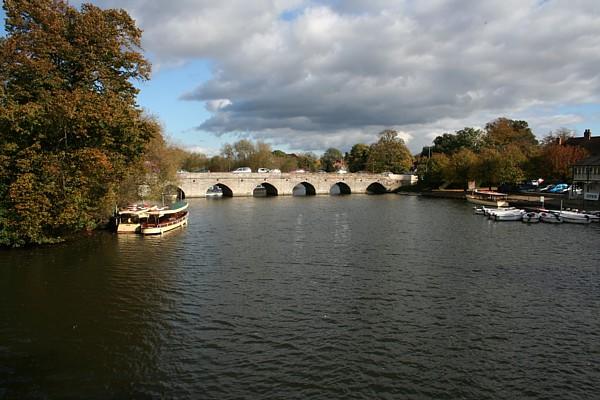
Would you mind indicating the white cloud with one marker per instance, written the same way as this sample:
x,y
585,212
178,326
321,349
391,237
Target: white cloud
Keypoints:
x,y
338,72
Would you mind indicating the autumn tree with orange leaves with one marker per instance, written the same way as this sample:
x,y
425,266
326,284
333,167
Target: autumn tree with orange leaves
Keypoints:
x,y
70,128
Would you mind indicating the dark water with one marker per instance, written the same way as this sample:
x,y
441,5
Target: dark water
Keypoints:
x,y
308,298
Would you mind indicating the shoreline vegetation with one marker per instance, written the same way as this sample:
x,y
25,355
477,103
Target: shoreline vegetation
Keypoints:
x,y
74,143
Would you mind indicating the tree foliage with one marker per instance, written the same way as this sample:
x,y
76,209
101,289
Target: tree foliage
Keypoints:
x,y
389,153
358,157
466,138
69,124
330,159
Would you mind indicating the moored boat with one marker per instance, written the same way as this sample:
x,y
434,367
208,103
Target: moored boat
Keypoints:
x,y
550,217
130,218
166,219
508,215
214,191
487,198
575,217
531,217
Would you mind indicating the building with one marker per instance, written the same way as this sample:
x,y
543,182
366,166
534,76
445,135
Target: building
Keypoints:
x,y
586,173
586,179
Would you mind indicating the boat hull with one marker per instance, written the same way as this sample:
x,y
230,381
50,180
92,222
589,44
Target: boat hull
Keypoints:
x,y
159,229
128,228
507,217
550,218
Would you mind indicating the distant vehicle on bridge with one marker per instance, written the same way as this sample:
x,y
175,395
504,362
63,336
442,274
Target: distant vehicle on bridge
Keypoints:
x,y
263,170
243,170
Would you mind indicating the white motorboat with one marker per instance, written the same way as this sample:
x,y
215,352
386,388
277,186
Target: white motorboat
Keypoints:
x,y
531,217
488,210
166,219
550,217
508,215
214,192
573,217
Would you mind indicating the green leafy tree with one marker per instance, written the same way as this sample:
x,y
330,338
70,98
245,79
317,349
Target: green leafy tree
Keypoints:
x,y
462,167
432,171
330,158
70,128
358,157
466,138
389,153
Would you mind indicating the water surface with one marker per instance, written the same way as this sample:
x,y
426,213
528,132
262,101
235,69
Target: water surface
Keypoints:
x,y
322,297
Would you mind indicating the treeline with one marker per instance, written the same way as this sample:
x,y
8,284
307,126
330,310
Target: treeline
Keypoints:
x,y
505,151
389,153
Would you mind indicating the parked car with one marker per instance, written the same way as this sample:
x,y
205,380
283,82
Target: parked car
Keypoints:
x,y
559,188
242,170
342,171
546,188
298,171
275,171
263,170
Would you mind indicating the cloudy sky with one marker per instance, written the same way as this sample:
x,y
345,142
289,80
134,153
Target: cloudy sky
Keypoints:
x,y
307,75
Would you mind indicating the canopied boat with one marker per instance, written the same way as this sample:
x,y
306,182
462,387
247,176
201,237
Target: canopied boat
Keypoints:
x,y
166,219
487,198
130,218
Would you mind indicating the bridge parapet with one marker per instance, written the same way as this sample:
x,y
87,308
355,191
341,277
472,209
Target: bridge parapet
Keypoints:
x,y
195,184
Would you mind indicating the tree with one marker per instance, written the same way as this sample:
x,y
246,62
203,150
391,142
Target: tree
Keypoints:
x,y
466,138
389,153
228,154
462,167
307,161
194,162
501,166
358,157
558,136
262,156
503,131
557,160
244,149
70,128
330,158
432,171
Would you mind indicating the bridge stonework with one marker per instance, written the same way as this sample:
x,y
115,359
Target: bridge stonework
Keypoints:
x,y
195,184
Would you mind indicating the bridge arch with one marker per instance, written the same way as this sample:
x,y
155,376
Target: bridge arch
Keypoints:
x,y
304,189
227,192
265,189
376,188
340,188
173,193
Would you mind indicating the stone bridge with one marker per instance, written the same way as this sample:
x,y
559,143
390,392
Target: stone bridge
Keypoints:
x,y
195,184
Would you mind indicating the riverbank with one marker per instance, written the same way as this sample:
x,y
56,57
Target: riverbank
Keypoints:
x,y
524,200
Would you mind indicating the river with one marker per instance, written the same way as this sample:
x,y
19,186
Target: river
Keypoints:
x,y
323,297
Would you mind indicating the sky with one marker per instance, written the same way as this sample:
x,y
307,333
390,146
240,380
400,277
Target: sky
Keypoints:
x,y
305,75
